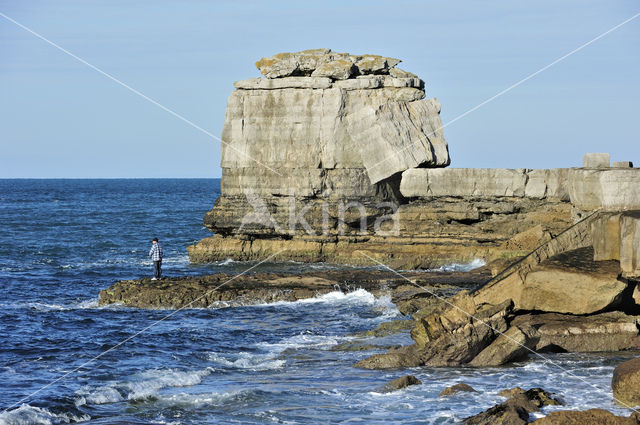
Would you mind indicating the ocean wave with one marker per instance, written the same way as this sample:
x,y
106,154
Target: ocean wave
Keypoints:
x,y
460,267
303,340
27,414
39,306
359,297
223,262
141,386
249,361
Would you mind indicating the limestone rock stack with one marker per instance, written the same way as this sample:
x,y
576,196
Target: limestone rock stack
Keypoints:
x,y
319,128
332,155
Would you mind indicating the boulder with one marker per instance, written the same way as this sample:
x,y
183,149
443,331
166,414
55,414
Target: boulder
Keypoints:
x,y
596,160
457,388
389,144
515,344
626,383
374,64
339,69
573,283
529,239
400,383
516,410
587,417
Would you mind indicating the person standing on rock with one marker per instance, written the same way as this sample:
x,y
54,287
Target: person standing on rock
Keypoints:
x,y
156,256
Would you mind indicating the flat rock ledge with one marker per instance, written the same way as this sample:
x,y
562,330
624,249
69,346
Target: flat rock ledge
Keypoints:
x,y
227,290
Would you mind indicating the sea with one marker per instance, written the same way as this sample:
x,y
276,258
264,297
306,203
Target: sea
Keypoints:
x,y
65,360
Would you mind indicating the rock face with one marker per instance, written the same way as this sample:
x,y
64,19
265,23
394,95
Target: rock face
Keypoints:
x,y
312,156
626,383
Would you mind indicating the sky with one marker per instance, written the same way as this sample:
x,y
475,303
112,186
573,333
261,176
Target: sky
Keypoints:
x,y
61,118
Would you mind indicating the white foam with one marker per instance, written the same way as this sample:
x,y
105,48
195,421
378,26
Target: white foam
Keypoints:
x,y
460,267
27,414
303,340
357,297
247,361
39,306
224,262
141,386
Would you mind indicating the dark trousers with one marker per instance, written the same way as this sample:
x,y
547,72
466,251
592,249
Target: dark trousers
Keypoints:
x,y
157,269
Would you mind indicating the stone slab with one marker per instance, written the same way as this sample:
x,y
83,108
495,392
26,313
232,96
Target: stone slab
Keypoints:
x,y
596,160
284,83
609,189
462,182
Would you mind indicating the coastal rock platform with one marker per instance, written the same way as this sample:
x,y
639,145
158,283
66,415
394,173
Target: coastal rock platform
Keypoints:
x,y
227,290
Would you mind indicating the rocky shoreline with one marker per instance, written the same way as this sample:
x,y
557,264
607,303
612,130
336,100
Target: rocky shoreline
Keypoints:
x,y
333,157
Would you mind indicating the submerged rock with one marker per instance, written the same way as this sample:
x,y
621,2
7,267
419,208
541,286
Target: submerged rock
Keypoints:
x,y
457,388
400,383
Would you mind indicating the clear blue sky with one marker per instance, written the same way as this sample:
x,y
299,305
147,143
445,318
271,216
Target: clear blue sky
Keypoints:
x,y
59,118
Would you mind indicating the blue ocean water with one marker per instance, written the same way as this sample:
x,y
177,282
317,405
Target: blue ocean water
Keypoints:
x,y
62,241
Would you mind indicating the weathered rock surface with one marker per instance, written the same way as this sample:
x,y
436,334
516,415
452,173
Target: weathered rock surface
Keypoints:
x,y
515,410
220,289
630,243
611,189
596,160
457,388
325,63
613,331
516,343
481,330
430,233
626,383
587,417
573,283
400,383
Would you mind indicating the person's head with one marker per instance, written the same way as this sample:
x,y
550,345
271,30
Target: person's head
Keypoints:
x,y
155,240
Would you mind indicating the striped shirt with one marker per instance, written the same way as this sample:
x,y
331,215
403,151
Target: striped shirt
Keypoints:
x,y
156,252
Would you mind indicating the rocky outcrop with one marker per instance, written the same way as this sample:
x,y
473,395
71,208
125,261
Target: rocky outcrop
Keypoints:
x,y
224,290
516,410
507,321
626,383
